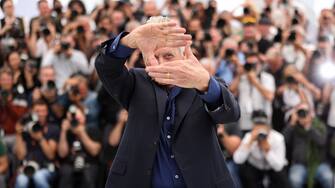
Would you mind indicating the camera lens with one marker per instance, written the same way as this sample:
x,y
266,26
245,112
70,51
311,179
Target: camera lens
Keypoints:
x,y
302,113
229,53
65,45
249,66
51,85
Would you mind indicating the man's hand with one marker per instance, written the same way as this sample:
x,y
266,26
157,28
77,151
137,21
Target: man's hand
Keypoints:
x,y
187,73
149,37
252,77
264,145
38,136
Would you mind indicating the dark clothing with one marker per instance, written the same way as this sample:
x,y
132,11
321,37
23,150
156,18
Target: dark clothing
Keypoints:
x,y
298,142
252,177
17,30
86,179
34,149
194,128
94,133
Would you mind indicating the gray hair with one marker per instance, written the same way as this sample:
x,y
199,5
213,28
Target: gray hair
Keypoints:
x,y
163,19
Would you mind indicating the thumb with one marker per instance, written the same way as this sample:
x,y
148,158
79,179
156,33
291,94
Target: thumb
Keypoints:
x,y
188,53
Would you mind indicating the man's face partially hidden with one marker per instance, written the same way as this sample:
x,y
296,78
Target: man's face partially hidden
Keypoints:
x,y
167,54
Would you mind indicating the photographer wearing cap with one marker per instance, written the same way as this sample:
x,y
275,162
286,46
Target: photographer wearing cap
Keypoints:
x,y
254,88
305,138
12,106
36,146
79,147
262,154
66,60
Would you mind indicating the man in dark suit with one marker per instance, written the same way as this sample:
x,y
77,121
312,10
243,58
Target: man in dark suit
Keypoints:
x,y
173,105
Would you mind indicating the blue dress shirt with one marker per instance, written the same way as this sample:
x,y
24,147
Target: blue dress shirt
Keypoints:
x,y
166,173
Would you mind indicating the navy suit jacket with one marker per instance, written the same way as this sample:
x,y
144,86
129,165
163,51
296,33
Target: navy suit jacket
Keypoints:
x,y
194,141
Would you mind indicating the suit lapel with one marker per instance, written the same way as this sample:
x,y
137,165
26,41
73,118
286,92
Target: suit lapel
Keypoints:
x,y
183,103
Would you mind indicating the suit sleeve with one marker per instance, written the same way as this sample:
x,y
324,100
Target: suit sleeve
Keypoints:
x,y
228,111
115,77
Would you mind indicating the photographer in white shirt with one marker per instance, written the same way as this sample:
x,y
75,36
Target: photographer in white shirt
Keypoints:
x,y
262,154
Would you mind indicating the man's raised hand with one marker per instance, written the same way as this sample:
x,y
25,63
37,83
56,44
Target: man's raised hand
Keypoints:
x,y
186,73
151,36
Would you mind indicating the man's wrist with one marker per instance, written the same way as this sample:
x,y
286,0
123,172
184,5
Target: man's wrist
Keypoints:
x,y
203,86
128,41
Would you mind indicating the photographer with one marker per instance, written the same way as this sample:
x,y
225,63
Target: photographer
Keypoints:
x,y
66,60
24,71
305,138
12,105
254,88
48,92
262,154
36,146
229,62
79,94
78,149
12,28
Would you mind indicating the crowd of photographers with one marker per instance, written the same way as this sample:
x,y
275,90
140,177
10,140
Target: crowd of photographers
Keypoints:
x,y
60,128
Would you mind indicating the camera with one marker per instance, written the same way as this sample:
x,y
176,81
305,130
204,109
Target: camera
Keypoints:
x,y
249,66
262,135
221,23
291,80
30,167
30,123
80,29
51,85
78,157
74,90
292,37
65,46
45,31
302,113
73,111
229,53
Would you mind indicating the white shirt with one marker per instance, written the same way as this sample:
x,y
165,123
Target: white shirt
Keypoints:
x,y
65,67
251,99
41,47
274,159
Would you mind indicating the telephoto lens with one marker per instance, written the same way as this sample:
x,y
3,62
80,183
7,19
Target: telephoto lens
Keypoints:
x,y
73,111
302,113
262,135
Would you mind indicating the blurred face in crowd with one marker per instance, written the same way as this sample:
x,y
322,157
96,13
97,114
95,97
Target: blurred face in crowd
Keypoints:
x,y
118,18
264,29
68,39
47,74
249,32
194,25
84,21
14,61
83,87
44,9
8,8
326,18
42,112
274,58
6,81
105,23
150,9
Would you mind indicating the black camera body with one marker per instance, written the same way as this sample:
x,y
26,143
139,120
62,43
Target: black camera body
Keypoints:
x,y
249,67
30,123
302,113
73,111
30,167
229,53
262,135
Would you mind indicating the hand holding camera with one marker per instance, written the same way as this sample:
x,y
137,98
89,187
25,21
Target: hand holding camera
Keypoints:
x,y
75,121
